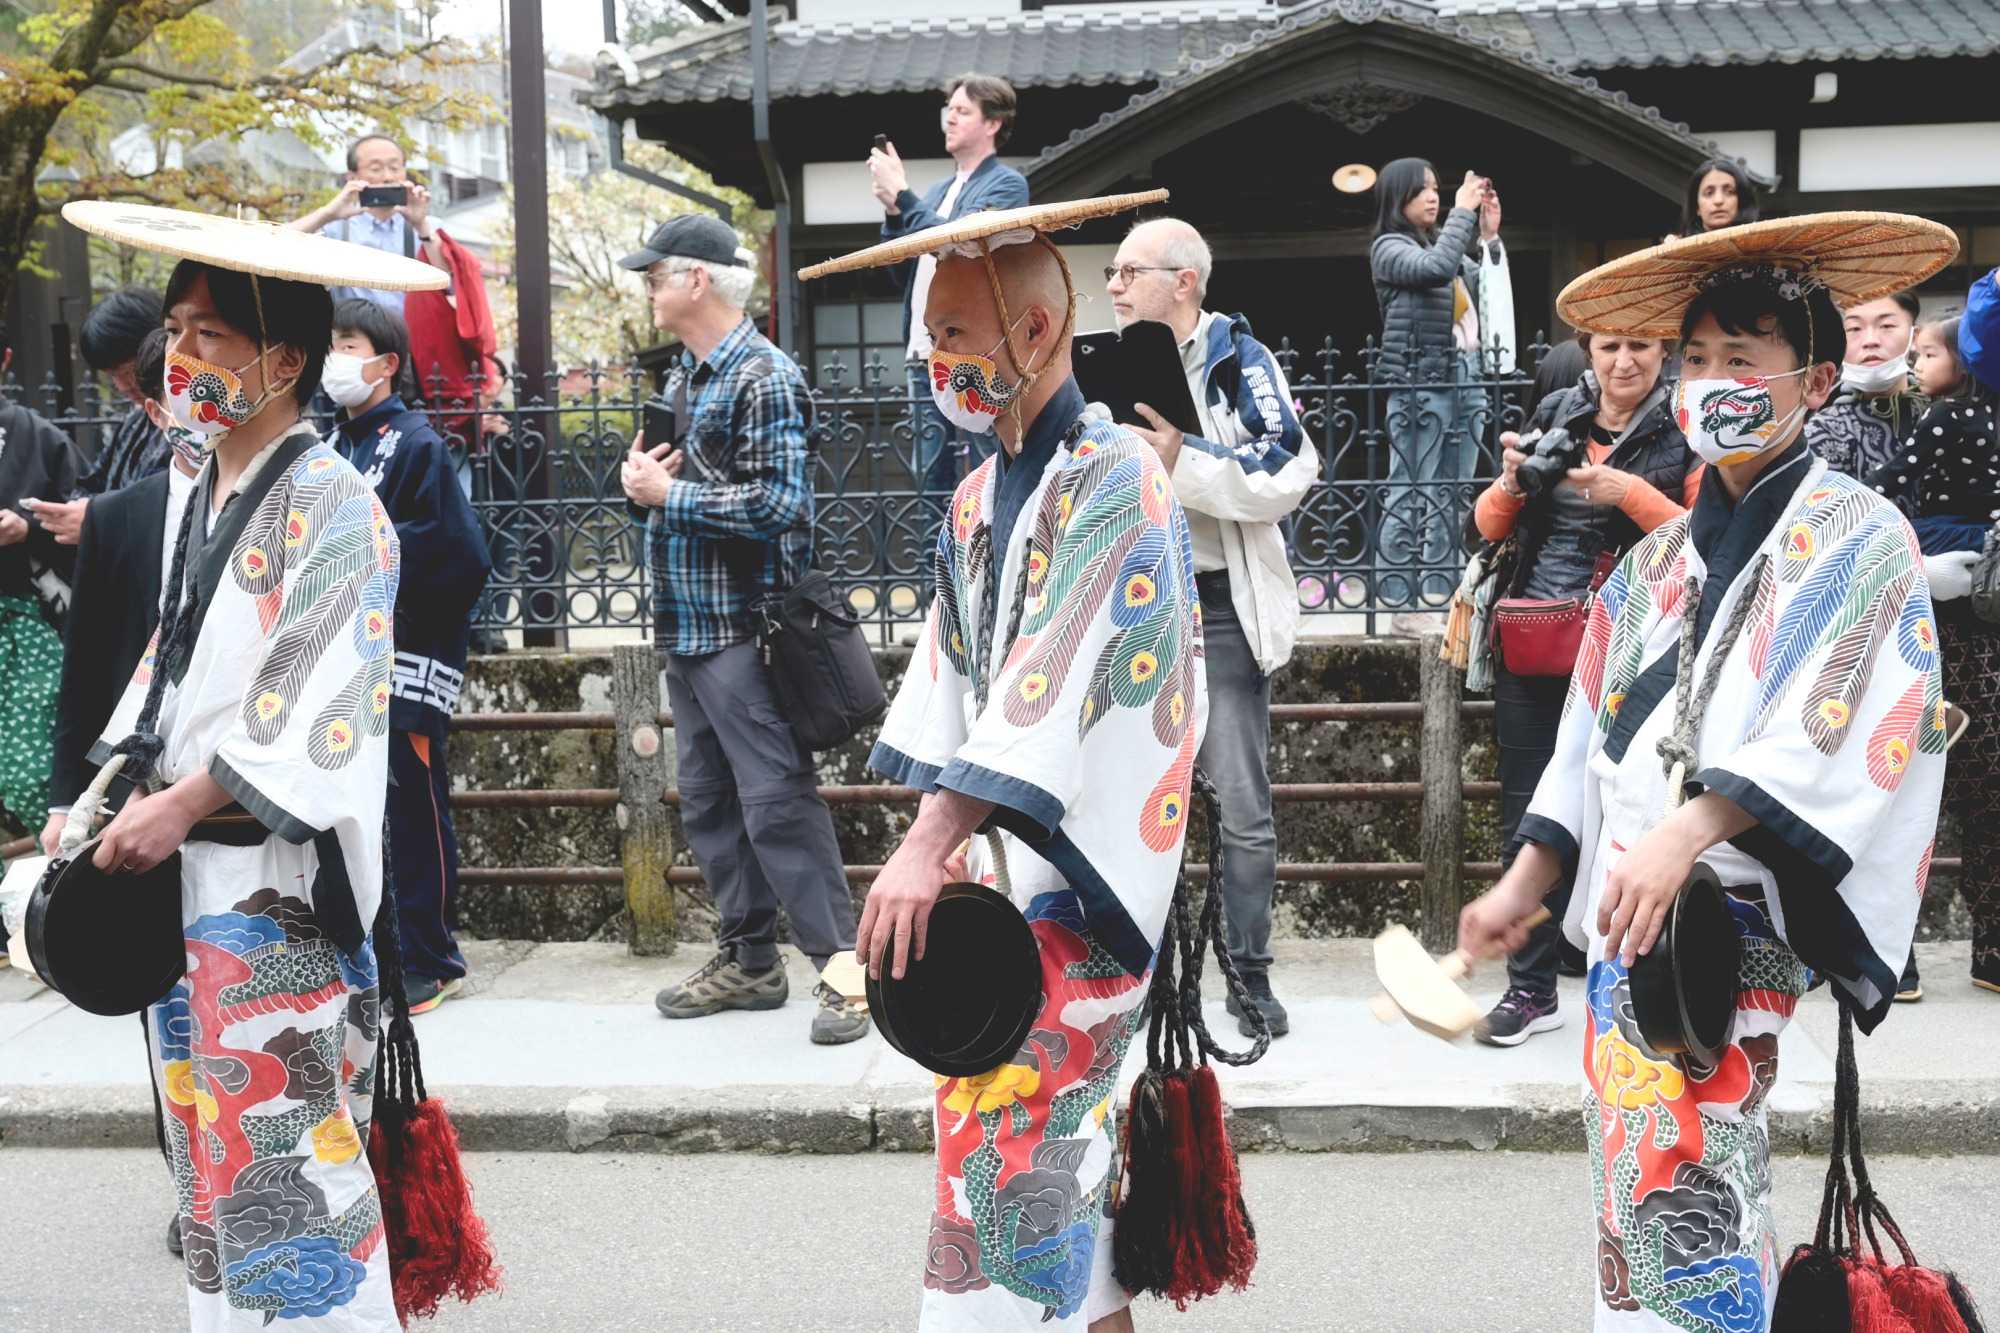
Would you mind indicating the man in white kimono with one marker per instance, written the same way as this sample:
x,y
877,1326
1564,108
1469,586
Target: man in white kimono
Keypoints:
x,y
1805,769
272,764
1055,694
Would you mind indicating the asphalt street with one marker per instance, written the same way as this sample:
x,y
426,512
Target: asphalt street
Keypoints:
x,y
1376,1243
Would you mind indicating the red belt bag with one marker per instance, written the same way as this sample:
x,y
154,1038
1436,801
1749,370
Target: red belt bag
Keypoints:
x,y
1541,637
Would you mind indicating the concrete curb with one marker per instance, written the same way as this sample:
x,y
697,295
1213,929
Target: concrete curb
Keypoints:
x,y
1925,1118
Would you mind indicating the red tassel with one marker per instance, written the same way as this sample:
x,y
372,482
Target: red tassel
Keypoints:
x,y
1184,1191
438,1246
1924,1298
1229,1243
1868,1300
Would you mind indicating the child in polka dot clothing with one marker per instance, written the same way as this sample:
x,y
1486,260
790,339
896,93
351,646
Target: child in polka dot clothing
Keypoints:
x,y
1951,461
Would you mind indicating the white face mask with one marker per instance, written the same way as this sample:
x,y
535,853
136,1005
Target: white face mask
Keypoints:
x,y
342,378
1732,421
1882,378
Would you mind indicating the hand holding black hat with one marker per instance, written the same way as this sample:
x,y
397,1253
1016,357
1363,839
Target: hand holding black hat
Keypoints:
x,y
899,903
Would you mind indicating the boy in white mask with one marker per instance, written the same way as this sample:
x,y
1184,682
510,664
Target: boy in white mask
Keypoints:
x,y
1875,403
1758,691
445,564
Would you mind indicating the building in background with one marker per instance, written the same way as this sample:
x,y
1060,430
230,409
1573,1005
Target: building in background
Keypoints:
x,y
1578,111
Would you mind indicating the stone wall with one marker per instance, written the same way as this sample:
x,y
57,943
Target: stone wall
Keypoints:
x,y
1346,670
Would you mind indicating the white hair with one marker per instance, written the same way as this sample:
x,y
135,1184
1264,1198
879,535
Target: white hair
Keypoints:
x,y
732,284
1181,246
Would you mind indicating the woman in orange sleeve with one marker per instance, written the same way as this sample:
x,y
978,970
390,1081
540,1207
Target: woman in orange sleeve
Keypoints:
x,y
1634,473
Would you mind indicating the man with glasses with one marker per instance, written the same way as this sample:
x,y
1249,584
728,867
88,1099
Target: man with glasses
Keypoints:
x,y
978,116
1250,467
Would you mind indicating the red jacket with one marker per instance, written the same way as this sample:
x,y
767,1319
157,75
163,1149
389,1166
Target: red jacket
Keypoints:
x,y
448,337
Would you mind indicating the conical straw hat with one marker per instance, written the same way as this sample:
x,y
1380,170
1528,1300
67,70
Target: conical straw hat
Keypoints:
x,y
1858,256
263,248
980,226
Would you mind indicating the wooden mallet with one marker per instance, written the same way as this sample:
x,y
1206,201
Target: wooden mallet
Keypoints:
x,y
1423,989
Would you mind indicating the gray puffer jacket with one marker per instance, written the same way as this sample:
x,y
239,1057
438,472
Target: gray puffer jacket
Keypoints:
x,y
1413,289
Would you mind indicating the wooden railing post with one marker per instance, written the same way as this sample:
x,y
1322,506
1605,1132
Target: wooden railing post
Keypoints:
x,y
1441,837
645,771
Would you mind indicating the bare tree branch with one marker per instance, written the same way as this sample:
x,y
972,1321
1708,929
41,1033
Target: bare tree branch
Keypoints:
x,y
165,76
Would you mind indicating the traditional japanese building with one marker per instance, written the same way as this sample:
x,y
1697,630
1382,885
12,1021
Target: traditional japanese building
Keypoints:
x,y
1589,117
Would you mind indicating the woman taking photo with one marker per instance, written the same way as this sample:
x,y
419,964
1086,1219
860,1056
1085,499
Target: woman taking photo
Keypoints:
x,y
1950,465
1429,286
1719,195
1631,471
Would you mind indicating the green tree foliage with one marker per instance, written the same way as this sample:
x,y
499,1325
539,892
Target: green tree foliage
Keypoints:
x,y
74,74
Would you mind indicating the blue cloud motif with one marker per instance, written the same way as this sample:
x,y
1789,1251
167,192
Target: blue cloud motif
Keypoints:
x,y
1737,1309
1062,906
318,1276
1599,992
235,932
173,1025
361,974
1069,1276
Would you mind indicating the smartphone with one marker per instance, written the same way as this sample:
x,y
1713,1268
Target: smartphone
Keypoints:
x,y
385,196
881,143
658,416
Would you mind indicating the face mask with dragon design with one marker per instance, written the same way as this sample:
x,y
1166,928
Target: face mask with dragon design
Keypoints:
x,y
208,399
1732,421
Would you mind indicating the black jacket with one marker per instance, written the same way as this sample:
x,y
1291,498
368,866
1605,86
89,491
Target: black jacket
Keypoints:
x,y
114,608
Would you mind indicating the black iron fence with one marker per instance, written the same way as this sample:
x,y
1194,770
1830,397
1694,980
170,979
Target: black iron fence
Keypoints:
x,y
1402,458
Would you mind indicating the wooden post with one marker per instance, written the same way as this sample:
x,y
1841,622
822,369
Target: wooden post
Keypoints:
x,y
644,773
1441,836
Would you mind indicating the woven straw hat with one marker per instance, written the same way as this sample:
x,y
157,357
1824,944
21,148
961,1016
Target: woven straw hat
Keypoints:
x,y
982,226
263,248
1857,256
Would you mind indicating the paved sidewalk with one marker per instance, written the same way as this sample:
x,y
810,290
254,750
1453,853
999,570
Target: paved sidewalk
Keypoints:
x,y
558,1046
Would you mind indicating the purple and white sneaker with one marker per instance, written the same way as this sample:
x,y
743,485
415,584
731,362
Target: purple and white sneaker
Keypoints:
x,y
1519,1015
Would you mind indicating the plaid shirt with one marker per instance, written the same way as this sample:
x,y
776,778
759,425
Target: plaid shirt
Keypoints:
x,y
738,522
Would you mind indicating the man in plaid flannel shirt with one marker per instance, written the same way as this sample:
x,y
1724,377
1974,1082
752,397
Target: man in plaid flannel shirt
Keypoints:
x,y
728,510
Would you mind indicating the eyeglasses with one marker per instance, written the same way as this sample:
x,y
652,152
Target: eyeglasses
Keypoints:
x,y
655,281
1125,271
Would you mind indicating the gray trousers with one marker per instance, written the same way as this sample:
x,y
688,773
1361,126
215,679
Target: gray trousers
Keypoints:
x,y
751,807
1233,754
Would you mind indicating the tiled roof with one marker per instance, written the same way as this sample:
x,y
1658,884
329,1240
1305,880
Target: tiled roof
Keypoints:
x,y
1036,49
1609,34
1135,44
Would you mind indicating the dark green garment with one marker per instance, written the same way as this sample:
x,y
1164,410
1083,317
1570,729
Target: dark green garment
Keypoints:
x,y
30,671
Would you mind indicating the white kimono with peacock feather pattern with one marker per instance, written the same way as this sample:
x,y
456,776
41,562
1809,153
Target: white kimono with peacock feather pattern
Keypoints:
x,y
264,1053
1084,618
1826,724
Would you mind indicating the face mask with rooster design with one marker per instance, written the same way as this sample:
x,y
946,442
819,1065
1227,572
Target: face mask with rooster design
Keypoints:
x,y
209,400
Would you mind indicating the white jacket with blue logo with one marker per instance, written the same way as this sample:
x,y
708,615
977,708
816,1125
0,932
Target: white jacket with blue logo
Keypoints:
x,y
1251,466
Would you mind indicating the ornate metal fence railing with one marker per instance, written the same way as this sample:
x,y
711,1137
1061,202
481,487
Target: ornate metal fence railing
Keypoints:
x,y
1402,460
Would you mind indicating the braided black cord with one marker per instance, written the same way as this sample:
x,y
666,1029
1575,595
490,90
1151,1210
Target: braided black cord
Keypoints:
x,y
144,746
1211,936
399,1085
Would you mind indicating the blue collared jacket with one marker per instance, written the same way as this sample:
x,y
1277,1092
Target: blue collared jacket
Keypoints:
x,y
990,185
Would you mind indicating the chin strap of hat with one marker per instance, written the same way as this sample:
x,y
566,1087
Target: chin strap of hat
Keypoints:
x,y
1028,377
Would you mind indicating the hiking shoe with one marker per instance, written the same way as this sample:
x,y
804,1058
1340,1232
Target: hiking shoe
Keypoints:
x,y
1258,985
839,1019
427,993
174,1237
1519,1015
1910,988
723,983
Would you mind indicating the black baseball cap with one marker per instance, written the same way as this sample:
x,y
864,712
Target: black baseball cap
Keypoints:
x,y
700,236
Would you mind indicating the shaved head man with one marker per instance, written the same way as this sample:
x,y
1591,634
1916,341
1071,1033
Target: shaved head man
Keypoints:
x,y
1063,563
1249,466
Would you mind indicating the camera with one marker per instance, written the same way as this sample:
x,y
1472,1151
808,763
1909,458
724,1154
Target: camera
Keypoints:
x,y
1550,457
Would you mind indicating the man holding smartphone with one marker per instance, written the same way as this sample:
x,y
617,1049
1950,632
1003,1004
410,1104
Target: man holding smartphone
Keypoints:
x,y
978,116
395,217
